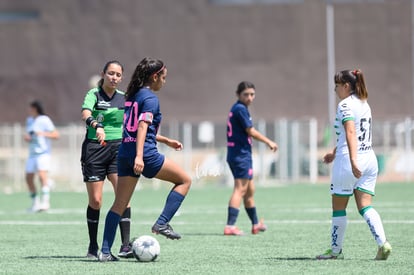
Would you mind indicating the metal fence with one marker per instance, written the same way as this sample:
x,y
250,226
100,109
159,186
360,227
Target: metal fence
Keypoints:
x,y
302,144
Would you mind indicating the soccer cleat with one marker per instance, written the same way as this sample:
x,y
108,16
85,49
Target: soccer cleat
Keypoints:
x,y
231,230
125,251
92,255
165,230
107,258
44,206
260,227
329,255
35,206
384,251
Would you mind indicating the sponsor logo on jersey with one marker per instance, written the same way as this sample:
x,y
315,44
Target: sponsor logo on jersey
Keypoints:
x,y
103,103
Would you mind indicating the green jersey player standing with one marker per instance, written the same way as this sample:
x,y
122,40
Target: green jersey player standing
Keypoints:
x,y
103,112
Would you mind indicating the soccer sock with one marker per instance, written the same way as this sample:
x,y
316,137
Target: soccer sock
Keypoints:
x,y
35,200
45,194
374,222
92,217
172,204
125,226
111,221
232,214
251,212
339,222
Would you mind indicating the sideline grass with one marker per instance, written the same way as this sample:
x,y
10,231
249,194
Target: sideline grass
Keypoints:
x,y
298,217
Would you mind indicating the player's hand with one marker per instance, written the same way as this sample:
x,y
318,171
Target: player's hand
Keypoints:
x,y
175,144
100,136
27,137
355,170
328,158
138,165
273,146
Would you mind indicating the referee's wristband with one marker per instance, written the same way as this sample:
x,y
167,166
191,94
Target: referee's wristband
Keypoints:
x,y
90,120
98,125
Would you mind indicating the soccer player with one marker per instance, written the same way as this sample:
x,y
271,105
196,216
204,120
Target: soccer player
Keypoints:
x,y
103,112
39,132
138,153
355,166
240,132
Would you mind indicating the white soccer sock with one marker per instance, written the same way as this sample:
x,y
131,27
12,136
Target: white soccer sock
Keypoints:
x,y
374,222
45,194
338,230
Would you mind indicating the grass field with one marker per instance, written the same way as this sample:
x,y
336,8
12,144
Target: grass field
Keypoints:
x,y
298,217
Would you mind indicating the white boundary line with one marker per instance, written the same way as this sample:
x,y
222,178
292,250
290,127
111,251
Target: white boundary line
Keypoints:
x,y
47,223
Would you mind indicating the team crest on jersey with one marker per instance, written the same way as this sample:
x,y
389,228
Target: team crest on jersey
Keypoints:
x,y
100,118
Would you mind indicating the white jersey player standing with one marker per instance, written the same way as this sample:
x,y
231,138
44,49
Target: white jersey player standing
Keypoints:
x,y
355,166
39,132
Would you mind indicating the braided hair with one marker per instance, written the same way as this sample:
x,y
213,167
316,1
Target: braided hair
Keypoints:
x,y
142,75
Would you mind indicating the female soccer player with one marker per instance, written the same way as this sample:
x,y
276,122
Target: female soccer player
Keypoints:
x,y
355,166
103,112
39,132
138,153
240,130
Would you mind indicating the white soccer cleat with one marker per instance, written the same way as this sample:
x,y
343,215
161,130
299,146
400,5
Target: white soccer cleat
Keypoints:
x,y
384,251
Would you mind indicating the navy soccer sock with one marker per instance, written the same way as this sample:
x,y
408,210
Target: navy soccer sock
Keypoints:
x,y
111,222
251,212
232,214
172,204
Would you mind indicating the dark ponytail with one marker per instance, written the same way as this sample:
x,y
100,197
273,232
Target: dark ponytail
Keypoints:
x,y
37,105
142,74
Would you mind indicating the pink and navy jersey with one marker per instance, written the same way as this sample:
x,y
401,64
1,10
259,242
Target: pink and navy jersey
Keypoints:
x,y
239,144
144,107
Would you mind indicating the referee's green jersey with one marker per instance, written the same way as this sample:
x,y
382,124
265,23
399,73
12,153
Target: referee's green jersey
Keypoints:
x,y
108,111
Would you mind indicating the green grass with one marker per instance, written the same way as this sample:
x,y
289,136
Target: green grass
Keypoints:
x,y
298,217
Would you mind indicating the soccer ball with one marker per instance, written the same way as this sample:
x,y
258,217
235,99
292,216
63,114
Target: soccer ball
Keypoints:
x,y
145,248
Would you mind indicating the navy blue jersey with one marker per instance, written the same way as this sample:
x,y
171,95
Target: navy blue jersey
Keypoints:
x,y
239,144
144,107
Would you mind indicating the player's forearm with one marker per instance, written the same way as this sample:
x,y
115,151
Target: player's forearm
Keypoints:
x,y
162,139
141,134
258,136
352,144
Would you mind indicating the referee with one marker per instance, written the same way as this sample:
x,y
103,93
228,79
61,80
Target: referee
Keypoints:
x,y
103,111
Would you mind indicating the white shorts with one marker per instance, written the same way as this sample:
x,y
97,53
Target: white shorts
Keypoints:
x,y
343,181
38,163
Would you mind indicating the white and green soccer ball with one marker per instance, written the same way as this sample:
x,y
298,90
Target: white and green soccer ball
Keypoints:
x,y
146,248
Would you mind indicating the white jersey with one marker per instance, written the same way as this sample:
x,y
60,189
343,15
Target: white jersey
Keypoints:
x,y
39,144
352,108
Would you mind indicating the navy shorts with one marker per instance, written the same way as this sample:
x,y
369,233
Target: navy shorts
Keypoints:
x,y
98,161
241,169
152,165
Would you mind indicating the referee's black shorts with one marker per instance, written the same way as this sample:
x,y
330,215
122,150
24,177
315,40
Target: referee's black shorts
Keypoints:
x,y
97,160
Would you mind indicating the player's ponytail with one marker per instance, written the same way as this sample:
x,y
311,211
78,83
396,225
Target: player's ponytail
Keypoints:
x,y
37,105
360,88
142,75
356,80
